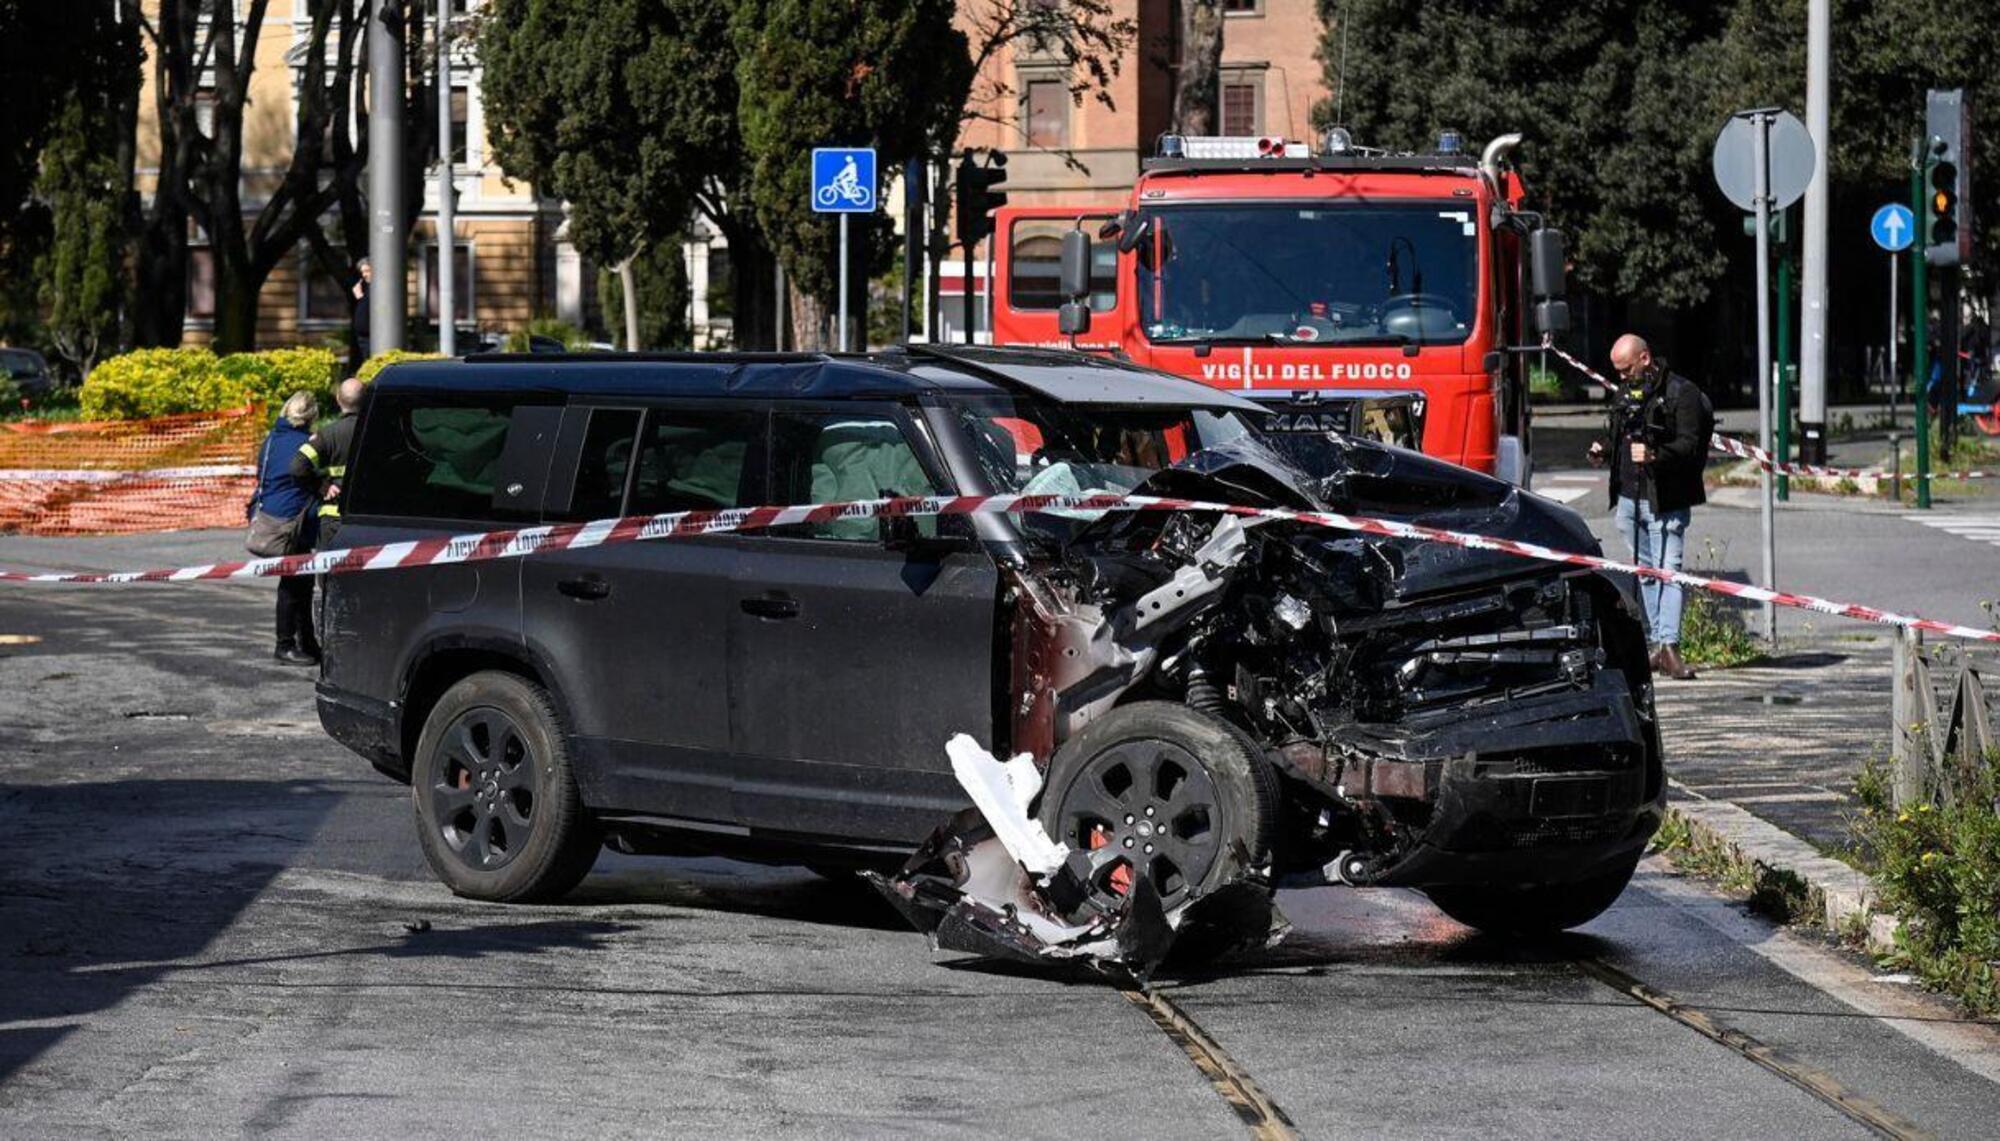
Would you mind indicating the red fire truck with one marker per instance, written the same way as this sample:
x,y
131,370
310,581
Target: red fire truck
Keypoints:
x,y
1352,289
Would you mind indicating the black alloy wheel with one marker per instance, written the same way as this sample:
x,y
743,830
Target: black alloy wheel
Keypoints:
x,y
483,804
497,808
1142,807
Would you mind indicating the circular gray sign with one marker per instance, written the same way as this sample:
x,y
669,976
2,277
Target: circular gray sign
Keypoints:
x,y
1791,160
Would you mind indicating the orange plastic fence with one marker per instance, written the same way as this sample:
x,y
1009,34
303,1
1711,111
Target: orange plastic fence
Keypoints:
x,y
114,477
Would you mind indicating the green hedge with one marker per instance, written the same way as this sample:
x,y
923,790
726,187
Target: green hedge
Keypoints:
x,y
161,382
382,360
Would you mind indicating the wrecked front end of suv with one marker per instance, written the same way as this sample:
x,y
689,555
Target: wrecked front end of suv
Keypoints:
x,y
1205,705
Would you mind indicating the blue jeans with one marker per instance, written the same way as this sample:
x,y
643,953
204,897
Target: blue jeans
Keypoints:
x,y
1656,541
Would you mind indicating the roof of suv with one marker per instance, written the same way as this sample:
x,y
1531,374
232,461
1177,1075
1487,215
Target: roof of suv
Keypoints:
x,y
891,373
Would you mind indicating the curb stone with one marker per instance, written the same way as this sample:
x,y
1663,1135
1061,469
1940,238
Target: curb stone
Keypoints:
x,y
1817,888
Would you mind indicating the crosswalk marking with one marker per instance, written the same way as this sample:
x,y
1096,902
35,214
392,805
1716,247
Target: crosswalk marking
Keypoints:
x,y
1562,494
1978,528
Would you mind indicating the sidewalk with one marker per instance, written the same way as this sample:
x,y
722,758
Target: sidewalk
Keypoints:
x,y
1761,764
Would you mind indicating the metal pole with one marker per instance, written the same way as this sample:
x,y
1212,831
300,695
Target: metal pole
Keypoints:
x,y
913,232
447,223
387,299
843,283
1784,413
1920,331
1812,348
966,288
1762,161
778,314
1895,378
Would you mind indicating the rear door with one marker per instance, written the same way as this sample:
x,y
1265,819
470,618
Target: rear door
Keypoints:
x,y
637,633
856,658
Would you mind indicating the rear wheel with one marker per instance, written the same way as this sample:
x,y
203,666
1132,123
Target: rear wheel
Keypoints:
x,y
1164,791
497,808
1531,910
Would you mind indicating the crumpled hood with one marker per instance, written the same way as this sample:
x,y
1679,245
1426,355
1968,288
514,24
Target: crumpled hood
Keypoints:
x,y
1362,477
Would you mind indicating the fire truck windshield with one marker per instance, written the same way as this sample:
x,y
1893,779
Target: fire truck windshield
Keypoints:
x,y
1328,273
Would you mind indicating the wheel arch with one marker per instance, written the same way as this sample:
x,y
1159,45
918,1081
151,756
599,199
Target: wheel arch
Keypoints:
x,y
443,663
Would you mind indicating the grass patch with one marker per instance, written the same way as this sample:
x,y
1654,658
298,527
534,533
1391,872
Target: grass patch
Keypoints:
x,y
1939,867
1774,893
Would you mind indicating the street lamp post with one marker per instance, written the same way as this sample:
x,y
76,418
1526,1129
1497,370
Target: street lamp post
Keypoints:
x,y
447,222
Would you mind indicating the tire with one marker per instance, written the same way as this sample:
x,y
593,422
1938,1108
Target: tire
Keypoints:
x,y
1533,910
496,804
1194,787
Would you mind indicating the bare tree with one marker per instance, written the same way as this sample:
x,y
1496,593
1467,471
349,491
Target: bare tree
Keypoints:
x,y
204,60
1086,37
1198,81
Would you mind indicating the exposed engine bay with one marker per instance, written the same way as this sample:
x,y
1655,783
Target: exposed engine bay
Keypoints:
x,y
1415,715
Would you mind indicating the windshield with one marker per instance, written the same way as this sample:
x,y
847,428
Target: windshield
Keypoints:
x,y
1343,273
1039,447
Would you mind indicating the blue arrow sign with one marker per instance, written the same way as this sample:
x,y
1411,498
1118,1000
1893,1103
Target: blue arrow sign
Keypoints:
x,y
1893,227
843,180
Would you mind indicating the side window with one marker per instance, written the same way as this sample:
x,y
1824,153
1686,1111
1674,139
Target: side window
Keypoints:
x,y
835,457
602,464
1034,267
433,456
692,459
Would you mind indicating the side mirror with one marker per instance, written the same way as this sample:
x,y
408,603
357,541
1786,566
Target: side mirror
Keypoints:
x,y
1547,258
1073,318
1552,317
1075,276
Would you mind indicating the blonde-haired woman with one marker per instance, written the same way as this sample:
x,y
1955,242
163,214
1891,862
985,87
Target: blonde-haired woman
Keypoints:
x,y
279,494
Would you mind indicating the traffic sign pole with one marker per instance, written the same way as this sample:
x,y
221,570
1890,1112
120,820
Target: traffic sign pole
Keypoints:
x,y
1894,228
843,283
1895,378
1920,318
1761,171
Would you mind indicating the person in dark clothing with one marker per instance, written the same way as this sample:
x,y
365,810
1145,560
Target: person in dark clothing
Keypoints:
x,y
1657,452
364,275
320,463
280,493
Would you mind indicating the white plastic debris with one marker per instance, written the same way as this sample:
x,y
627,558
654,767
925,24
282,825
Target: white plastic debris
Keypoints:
x,y
1002,791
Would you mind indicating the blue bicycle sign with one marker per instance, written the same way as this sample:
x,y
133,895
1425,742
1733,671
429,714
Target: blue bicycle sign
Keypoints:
x,y
843,180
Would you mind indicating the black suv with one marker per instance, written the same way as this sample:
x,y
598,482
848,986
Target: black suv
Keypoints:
x,y
1210,698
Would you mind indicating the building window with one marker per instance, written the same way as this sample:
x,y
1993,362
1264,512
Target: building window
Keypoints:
x,y
1242,7
1034,264
721,284
1045,107
323,296
201,283
461,118
461,283
1241,107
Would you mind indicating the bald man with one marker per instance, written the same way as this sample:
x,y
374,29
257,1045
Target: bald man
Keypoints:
x,y
321,462
1656,451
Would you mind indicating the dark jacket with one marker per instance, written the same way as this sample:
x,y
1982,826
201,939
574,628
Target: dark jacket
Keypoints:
x,y
320,461
278,491
1672,421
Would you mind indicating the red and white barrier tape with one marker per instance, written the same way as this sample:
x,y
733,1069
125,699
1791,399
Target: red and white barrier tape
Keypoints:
x,y
1766,460
486,545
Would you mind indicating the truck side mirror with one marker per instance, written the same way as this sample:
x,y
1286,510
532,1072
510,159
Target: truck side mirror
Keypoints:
x,y
1073,319
1548,280
1075,274
1547,259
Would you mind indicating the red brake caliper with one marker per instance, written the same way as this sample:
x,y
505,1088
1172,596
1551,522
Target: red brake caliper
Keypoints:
x,y
1121,875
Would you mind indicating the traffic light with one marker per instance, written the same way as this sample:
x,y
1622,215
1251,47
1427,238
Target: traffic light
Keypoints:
x,y
1947,223
1944,205
978,195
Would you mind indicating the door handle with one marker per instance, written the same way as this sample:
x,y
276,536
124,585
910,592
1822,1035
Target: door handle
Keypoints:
x,y
584,588
768,607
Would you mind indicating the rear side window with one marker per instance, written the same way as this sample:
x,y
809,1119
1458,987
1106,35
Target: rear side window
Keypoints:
x,y
603,462
694,459
434,456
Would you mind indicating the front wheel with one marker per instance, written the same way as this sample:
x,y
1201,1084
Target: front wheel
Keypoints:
x,y
498,813
1532,910
1164,791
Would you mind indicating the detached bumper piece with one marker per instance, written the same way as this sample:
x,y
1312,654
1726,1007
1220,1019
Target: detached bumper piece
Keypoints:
x,y
998,889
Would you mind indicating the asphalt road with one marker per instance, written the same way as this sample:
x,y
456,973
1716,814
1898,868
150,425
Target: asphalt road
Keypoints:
x,y
213,921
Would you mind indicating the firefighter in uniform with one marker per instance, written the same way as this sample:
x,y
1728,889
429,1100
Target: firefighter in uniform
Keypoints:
x,y
321,462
